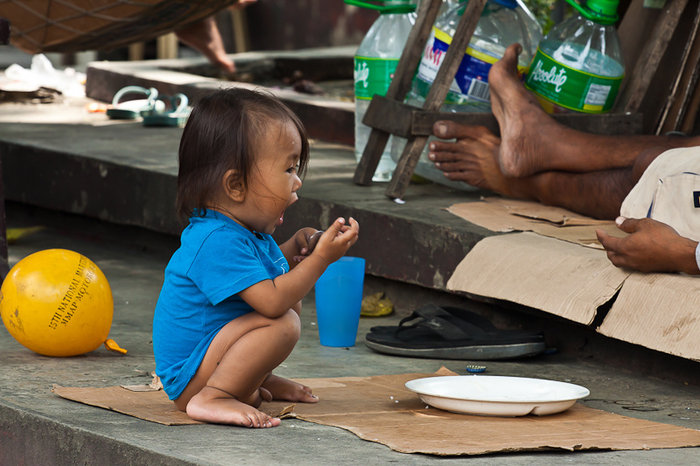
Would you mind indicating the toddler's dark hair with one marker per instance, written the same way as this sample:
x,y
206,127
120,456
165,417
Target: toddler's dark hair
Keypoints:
x,y
221,135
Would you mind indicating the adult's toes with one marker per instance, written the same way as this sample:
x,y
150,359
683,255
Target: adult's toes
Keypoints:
x,y
446,129
511,54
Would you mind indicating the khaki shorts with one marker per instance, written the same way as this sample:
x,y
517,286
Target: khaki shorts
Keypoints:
x,y
669,191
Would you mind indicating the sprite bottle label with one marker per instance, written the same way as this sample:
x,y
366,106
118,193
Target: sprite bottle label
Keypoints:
x,y
570,88
373,76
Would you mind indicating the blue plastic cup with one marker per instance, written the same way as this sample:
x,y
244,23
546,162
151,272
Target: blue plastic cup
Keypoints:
x,y
338,301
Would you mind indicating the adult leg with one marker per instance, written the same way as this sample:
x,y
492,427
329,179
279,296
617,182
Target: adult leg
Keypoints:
x,y
533,142
597,194
204,36
473,158
227,386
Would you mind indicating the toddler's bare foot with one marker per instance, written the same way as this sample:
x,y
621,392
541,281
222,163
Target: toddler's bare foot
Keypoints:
x,y
525,127
219,407
288,390
472,158
257,397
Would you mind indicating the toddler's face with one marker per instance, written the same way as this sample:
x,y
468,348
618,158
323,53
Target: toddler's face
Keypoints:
x,y
274,182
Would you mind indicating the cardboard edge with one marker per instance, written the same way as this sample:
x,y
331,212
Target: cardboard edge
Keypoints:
x,y
456,282
57,390
611,321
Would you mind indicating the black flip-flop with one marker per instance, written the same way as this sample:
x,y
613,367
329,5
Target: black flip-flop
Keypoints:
x,y
452,333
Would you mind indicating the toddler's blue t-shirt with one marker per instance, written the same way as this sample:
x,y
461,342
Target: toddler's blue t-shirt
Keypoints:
x,y
217,259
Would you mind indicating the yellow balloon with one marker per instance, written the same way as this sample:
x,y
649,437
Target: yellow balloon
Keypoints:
x,y
57,302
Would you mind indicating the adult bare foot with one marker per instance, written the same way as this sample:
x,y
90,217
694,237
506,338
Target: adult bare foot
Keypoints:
x,y
204,37
472,158
219,407
288,390
525,127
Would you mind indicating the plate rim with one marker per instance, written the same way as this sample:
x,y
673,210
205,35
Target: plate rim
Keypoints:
x,y
491,400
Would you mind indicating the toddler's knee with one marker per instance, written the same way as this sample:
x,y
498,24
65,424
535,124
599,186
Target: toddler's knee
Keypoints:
x,y
289,326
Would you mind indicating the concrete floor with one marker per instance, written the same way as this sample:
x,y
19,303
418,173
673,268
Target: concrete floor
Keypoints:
x,y
37,427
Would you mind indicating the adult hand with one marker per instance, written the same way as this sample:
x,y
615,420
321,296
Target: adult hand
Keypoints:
x,y
651,246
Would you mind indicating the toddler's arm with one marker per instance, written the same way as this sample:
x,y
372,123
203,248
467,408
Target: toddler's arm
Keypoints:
x,y
272,298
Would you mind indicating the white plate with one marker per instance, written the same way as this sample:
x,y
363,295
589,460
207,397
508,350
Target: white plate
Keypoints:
x,y
496,395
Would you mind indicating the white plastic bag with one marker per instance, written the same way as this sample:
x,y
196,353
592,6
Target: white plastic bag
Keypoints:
x,y
42,74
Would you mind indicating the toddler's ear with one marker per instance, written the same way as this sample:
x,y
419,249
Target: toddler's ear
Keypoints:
x,y
233,186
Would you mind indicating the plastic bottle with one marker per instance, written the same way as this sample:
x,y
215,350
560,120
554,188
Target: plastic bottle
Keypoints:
x,y
578,65
502,23
375,62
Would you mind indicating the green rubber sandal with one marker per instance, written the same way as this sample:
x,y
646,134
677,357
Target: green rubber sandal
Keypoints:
x,y
131,109
174,113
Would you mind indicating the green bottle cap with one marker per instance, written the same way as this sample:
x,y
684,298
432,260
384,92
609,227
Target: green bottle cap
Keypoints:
x,y
599,11
386,6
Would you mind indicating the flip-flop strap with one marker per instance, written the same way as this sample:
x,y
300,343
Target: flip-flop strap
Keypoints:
x,y
151,93
449,326
436,320
467,315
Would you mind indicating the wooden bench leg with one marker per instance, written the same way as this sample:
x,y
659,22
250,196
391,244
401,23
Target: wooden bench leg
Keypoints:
x,y
436,96
4,264
673,116
399,87
648,62
4,31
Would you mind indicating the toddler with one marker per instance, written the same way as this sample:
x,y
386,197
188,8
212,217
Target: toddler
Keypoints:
x,y
228,312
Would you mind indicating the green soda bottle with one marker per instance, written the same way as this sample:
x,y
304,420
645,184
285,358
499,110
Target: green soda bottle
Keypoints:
x,y
578,66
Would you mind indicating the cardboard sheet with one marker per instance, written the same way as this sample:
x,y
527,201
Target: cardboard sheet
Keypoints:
x,y
506,215
380,409
555,276
148,404
658,311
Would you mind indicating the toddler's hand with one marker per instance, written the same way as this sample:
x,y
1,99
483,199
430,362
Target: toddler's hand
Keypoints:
x,y
337,239
305,240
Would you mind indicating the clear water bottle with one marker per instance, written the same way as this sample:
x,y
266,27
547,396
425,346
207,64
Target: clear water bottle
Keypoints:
x,y
578,65
502,23
375,63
